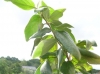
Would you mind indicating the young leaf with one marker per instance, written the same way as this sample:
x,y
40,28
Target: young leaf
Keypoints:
x,y
43,47
67,42
32,26
43,4
46,68
24,4
41,33
67,68
56,15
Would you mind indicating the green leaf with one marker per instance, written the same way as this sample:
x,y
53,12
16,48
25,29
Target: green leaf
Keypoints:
x,y
91,57
32,26
56,15
89,54
83,71
46,68
94,43
92,60
43,47
67,42
36,42
24,4
48,55
65,25
62,10
41,33
37,70
46,14
86,43
43,4
59,56
67,68
51,10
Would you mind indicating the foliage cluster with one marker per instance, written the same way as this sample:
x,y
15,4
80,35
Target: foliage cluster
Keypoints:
x,y
54,42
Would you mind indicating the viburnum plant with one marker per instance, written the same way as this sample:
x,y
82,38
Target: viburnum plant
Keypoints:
x,y
54,43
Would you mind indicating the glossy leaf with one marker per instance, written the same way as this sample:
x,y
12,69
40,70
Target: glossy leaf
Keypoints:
x,y
32,26
60,57
65,39
43,47
46,68
41,33
67,68
24,4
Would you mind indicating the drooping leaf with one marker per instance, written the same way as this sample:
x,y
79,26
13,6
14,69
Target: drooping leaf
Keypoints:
x,y
46,68
67,42
59,56
43,47
91,57
92,60
32,26
41,33
36,42
24,4
67,68
89,54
